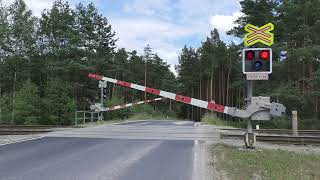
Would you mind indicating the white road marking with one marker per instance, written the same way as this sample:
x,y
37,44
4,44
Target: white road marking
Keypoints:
x,y
181,122
23,140
195,170
119,165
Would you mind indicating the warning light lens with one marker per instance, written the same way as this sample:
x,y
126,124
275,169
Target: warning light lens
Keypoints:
x,y
250,55
257,66
265,55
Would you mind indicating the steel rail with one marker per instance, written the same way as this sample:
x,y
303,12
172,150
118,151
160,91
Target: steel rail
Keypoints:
x,y
302,140
279,131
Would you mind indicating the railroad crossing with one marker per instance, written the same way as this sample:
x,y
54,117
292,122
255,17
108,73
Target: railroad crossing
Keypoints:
x,y
259,105
256,65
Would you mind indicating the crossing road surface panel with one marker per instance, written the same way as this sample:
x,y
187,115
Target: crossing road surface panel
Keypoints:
x,y
131,151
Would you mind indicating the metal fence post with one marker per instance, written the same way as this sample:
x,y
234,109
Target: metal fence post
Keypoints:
x,y
84,117
295,123
75,118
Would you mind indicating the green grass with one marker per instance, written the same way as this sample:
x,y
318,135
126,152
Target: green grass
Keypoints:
x,y
267,164
212,119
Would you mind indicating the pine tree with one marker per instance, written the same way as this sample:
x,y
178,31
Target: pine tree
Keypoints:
x,y
58,106
27,104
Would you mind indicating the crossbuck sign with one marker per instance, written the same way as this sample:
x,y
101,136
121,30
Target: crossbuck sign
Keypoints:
x,y
259,34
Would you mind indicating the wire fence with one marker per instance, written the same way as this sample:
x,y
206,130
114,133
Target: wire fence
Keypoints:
x,y
83,117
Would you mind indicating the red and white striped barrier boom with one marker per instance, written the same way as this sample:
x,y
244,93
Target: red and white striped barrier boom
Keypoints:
x,y
184,99
112,108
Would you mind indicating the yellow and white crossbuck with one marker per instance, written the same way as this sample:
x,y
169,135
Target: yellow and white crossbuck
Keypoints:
x,y
259,34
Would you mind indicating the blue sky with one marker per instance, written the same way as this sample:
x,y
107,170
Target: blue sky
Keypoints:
x,y
166,25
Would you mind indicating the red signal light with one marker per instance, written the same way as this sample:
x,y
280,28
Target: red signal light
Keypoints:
x,y
265,55
250,55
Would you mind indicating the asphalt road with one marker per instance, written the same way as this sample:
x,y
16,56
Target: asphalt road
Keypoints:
x,y
73,156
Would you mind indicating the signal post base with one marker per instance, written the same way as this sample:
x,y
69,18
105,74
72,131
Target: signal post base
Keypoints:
x,y
249,136
250,140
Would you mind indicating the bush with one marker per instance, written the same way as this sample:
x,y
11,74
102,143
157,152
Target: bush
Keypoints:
x,y
5,109
212,119
282,122
117,114
137,112
171,114
309,123
145,111
58,105
27,105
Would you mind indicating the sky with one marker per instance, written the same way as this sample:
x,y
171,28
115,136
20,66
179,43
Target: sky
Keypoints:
x,y
165,25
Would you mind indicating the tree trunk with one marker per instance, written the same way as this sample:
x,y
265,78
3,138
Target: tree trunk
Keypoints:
x,y
207,84
191,105
145,80
216,85
200,97
13,95
211,79
239,102
228,82
239,96
222,86
316,104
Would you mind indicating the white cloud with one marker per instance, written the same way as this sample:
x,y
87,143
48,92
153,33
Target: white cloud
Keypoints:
x,y
136,33
36,6
147,7
194,10
165,22
224,22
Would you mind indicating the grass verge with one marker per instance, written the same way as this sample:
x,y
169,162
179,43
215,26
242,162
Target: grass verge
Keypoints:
x,y
264,164
212,119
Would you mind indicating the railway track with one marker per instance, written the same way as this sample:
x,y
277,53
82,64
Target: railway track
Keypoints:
x,y
23,131
280,131
279,139
30,126
27,129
